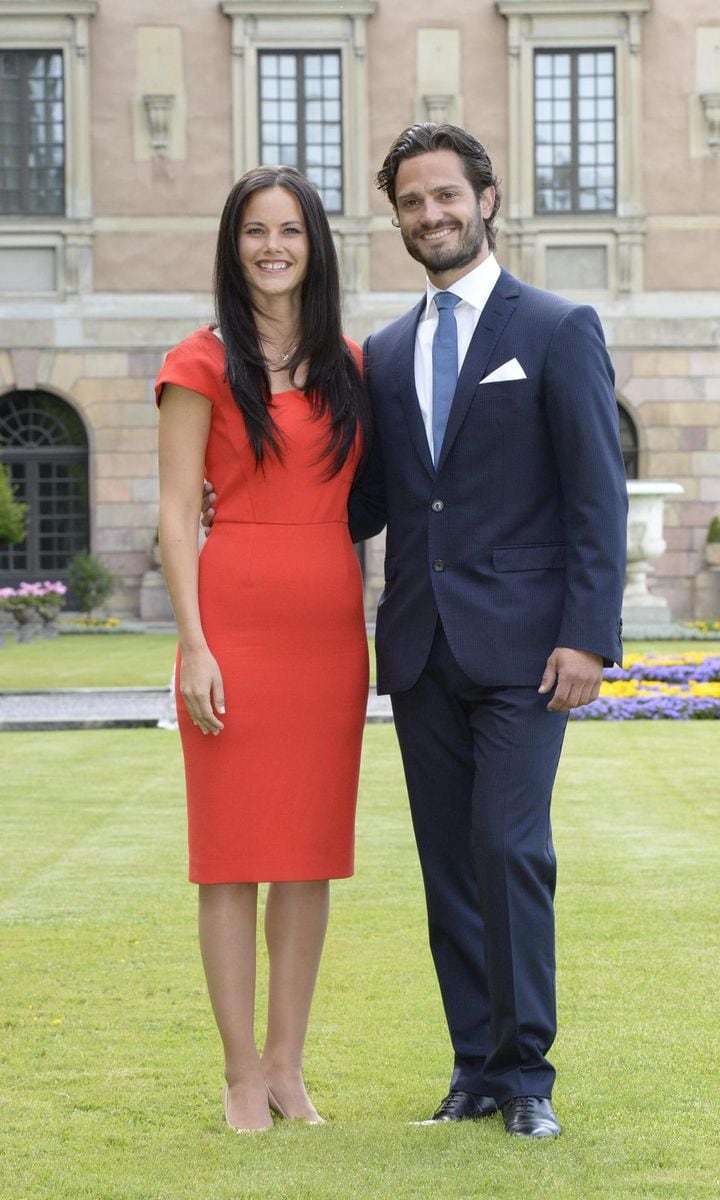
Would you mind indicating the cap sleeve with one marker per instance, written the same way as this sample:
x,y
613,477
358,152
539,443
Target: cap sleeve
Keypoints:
x,y
189,365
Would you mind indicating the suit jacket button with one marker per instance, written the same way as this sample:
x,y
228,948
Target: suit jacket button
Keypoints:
x,y
437,505
438,565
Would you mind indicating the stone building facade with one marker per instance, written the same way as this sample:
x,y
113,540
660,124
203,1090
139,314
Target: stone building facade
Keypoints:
x,y
124,125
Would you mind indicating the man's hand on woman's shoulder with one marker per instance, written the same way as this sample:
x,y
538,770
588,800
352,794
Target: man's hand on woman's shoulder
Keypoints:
x,y
207,511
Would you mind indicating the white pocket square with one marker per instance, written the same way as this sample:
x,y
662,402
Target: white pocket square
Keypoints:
x,y
509,370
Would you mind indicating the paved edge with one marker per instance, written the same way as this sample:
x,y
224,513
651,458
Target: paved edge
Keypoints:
x,y
60,725
378,712
125,723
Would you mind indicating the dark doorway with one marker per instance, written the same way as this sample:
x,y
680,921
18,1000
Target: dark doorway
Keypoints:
x,y
44,445
629,443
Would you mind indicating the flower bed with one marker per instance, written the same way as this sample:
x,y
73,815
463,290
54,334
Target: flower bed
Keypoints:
x,y
677,688
33,605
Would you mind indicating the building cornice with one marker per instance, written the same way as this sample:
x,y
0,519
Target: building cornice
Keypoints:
x,y
570,8
298,8
49,8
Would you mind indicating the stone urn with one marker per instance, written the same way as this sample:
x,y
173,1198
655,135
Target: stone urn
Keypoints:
x,y
48,612
646,502
707,585
7,624
26,622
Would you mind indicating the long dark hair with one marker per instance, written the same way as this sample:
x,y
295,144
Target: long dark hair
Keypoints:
x,y
333,383
428,136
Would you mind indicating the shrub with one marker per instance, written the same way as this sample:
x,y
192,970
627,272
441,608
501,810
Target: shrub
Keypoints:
x,y
90,581
12,512
713,535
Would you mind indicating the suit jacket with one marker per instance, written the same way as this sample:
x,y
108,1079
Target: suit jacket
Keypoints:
x,y
517,540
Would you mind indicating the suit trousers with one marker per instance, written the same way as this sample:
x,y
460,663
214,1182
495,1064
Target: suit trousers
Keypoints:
x,y
480,763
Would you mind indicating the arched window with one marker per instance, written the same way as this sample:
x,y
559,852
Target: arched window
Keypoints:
x,y
629,443
44,445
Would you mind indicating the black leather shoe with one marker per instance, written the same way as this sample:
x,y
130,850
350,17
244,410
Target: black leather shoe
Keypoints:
x,y
530,1116
461,1106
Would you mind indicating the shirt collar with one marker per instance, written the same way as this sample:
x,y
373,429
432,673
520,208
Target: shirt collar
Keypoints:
x,y
474,288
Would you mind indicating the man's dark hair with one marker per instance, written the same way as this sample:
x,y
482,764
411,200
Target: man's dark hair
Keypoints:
x,y
426,137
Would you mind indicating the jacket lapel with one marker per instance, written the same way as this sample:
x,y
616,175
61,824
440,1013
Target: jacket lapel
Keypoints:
x,y
493,319
405,384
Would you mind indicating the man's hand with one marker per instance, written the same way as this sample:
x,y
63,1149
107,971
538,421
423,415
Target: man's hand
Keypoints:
x,y
207,512
576,676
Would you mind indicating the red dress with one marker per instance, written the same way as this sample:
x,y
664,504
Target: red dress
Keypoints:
x,y
273,796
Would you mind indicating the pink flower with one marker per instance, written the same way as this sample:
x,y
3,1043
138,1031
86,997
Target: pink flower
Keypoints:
x,y
50,591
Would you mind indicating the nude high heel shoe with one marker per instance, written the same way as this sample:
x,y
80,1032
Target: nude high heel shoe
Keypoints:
x,y
276,1108
235,1128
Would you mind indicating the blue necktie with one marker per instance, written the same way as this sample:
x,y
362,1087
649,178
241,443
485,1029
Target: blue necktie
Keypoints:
x,y
444,367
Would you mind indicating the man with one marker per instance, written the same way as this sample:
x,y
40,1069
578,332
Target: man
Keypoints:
x,y
497,469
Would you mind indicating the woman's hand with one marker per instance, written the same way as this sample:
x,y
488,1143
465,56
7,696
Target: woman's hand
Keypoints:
x,y
201,686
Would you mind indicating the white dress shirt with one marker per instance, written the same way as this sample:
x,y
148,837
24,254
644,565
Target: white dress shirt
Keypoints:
x,y
474,290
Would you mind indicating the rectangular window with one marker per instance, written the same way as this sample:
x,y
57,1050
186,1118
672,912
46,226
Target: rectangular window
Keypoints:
x,y
32,133
300,106
575,131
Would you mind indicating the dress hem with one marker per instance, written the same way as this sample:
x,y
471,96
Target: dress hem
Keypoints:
x,y
232,877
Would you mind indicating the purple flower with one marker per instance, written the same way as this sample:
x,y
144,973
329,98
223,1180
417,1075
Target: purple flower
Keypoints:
x,y
707,671
654,707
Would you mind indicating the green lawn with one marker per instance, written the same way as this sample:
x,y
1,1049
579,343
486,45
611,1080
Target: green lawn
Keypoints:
x,y
110,1071
88,660
146,659
94,660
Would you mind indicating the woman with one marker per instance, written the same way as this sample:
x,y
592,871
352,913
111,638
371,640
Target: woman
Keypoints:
x,y
272,648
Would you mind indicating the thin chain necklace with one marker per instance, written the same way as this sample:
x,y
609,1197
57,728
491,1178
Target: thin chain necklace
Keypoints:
x,y
277,363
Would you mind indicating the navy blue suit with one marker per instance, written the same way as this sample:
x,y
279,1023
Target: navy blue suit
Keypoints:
x,y
513,546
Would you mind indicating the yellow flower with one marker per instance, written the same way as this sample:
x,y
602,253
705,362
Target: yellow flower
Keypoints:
x,y
636,687
705,689
665,660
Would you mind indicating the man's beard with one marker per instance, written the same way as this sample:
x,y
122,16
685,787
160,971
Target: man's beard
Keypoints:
x,y
445,258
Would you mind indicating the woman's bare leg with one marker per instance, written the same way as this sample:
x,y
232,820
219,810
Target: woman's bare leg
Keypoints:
x,y
227,918
296,916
